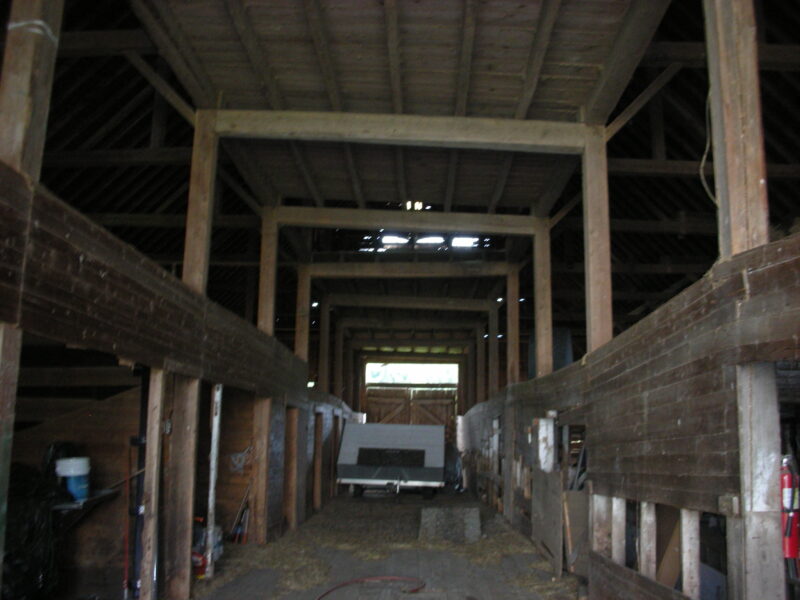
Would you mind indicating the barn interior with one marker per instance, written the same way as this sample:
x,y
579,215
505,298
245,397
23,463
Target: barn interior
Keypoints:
x,y
225,221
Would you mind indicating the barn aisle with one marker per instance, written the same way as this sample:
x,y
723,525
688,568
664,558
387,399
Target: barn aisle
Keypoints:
x,y
376,536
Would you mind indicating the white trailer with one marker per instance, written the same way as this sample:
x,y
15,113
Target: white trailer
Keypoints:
x,y
391,456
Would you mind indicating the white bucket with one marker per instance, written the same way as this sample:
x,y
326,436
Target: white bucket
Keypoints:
x,y
76,472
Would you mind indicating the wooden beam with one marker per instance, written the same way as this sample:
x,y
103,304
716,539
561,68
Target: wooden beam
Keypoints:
x,y
737,132
259,496
316,491
358,343
290,465
642,99
634,167
378,270
468,25
268,270
597,242
405,130
104,42
565,210
600,523
10,346
199,215
31,44
640,23
480,365
618,514
512,328
562,173
417,324
543,299
162,87
647,539
771,57
683,225
494,354
77,377
411,302
690,553
302,312
213,469
423,221
500,182
179,488
152,482
323,371
171,221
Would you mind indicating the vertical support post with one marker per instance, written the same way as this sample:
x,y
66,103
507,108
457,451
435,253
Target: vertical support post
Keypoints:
x,y
739,165
480,366
179,478
494,355
754,539
543,302
268,269
29,60
596,240
353,381
647,539
317,490
690,553
468,375
10,345
323,372
334,452
211,520
338,362
618,506
509,438
199,215
152,480
601,524
290,467
302,312
262,417
512,327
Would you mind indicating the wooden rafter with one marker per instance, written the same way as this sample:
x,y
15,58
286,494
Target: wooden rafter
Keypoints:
x,y
771,57
396,80
410,302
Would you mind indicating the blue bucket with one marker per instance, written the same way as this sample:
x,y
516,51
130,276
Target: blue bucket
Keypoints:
x,y
75,471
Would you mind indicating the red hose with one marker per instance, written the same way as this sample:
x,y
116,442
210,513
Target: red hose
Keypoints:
x,y
417,582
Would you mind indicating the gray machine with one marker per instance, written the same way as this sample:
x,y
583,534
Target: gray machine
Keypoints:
x,y
391,456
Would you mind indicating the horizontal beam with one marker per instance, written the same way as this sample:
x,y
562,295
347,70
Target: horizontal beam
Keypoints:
x,y
685,168
74,44
686,226
171,221
359,343
641,268
771,57
404,130
415,324
78,377
389,270
411,302
404,220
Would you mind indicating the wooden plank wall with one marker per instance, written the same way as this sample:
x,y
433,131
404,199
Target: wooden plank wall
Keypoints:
x,y
86,288
610,581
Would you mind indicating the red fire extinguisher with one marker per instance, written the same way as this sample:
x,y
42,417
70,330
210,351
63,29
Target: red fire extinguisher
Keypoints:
x,y
790,507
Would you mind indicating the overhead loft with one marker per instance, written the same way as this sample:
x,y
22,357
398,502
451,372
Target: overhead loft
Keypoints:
x,y
266,195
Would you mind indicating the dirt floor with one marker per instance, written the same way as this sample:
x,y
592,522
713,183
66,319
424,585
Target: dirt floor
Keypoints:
x,y
377,536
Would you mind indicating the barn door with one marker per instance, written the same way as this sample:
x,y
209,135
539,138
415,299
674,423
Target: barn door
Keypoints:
x,y
388,405
434,407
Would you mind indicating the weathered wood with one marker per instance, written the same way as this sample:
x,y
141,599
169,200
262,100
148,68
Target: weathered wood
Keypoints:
x,y
267,272
684,168
512,328
618,509
15,208
78,377
10,345
611,581
162,87
324,368
642,99
596,242
690,553
213,468
543,301
291,449
737,132
601,524
771,57
405,130
152,482
200,213
647,539
302,322
179,484
259,497
411,269
480,365
411,302
403,220
31,45
494,353
318,449
546,516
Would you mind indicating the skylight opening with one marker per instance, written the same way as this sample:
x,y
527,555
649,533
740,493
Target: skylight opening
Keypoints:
x,y
393,240
431,239
412,373
464,242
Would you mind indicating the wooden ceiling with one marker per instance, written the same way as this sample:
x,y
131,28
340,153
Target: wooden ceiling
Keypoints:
x,y
119,153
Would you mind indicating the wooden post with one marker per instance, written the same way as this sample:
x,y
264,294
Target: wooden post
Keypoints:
x,y
338,362
468,374
512,327
334,452
152,480
739,164
31,46
754,539
353,381
480,366
542,291
690,553
259,504
323,372
596,241
213,460
494,355
290,467
10,344
317,489
647,539
268,271
601,524
618,509
179,481
302,312
200,212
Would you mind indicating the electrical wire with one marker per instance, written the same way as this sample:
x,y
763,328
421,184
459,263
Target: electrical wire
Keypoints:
x,y
707,150
416,581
